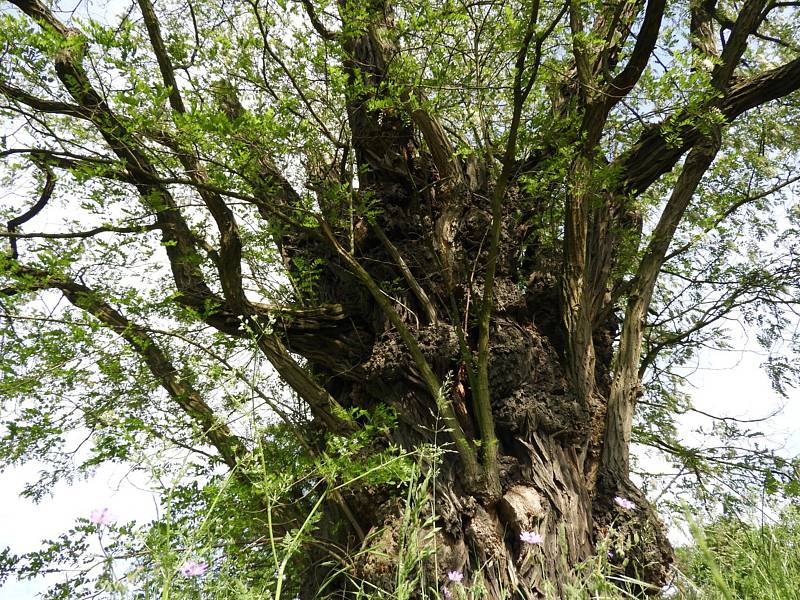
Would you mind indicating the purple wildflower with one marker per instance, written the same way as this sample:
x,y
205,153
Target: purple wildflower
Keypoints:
x,y
100,516
447,594
531,537
192,568
624,503
455,576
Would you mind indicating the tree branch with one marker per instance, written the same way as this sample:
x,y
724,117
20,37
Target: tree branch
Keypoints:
x,y
701,27
323,31
81,234
625,386
427,305
42,105
44,198
164,62
748,20
645,44
482,395
656,153
216,433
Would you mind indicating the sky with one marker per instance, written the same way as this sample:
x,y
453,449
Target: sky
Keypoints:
x,y
24,524
734,384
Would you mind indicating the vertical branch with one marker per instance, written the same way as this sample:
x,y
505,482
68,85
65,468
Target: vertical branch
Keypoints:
x,y
625,387
575,304
701,27
579,54
164,63
750,17
482,395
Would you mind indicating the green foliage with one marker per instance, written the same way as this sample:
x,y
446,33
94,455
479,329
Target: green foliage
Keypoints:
x,y
734,558
235,528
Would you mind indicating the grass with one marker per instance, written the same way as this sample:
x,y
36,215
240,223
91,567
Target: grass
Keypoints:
x,y
734,558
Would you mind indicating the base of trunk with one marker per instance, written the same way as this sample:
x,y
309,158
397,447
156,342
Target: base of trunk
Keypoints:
x,y
544,537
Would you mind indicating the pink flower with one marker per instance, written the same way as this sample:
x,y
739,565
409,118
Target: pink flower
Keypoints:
x,y
101,516
455,576
193,568
624,503
531,537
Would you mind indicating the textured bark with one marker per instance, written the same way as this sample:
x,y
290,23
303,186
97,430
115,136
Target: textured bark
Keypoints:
x,y
549,428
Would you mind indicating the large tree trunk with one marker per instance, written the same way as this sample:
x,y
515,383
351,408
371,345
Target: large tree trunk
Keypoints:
x,y
552,482
546,488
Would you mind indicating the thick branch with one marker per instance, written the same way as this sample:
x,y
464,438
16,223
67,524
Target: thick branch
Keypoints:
x,y
642,51
613,25
701,27
580,50
164,62
442,151
625,387
47,106
318,26
654,154
750,17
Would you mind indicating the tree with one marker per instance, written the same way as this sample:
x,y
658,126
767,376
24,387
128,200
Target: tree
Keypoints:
x,y
482,222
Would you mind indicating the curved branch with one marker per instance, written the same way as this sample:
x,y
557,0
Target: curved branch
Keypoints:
x,y
625,386
44,198
323,31
645,44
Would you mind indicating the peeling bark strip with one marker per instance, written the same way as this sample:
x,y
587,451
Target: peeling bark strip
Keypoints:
x,y
489,286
